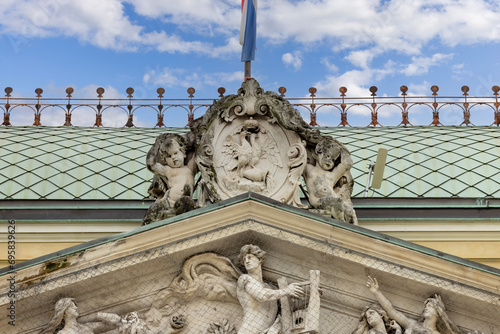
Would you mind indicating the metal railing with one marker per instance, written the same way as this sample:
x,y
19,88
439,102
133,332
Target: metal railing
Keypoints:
x,y
312,104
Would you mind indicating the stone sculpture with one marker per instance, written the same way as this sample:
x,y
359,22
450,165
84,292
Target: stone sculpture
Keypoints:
x,y
222,327
301,315
66,315
65,319
434,319
208,276
129,324
250,141
329,181
258,299
173,183
374,320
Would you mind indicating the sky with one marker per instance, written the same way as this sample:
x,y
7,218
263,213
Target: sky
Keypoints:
x,y
146,44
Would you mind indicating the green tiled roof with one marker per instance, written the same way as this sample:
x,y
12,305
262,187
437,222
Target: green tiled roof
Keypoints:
x,y
446,162
61,163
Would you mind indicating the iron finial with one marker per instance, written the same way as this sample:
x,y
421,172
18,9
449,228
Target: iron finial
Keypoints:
x,y
100,91
160,92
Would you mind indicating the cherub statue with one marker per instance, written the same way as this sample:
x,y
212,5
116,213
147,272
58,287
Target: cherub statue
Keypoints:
x,y
259,300
374,320
329,181
173,184
433,320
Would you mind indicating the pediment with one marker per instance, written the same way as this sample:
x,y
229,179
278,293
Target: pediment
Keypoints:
x,y
188,268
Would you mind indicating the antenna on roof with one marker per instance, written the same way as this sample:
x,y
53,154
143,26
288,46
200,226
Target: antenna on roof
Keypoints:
x,y
377,169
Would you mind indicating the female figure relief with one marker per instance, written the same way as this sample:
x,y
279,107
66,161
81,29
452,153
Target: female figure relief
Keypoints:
x,y
374,320
66,313
65,321
433,313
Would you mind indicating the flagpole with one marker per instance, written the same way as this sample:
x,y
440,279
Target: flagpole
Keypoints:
x,y
248,70
248,34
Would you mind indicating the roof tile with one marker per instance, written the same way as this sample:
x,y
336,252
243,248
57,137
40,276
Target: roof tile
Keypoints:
x,y
109,163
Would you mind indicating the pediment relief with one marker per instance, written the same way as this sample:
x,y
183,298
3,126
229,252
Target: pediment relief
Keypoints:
x,y
191,285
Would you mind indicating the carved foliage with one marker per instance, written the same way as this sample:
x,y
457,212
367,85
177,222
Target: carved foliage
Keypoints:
x,y
221,327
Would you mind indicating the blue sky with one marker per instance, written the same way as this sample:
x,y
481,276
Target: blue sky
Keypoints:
x,y
146,44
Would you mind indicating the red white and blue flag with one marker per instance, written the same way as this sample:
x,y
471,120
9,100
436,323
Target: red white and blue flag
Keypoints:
x,y
248,30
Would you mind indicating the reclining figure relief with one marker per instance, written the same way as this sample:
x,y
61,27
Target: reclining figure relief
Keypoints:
x,y
433,320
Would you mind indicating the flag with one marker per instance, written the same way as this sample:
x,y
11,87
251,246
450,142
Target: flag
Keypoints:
x,y
248,30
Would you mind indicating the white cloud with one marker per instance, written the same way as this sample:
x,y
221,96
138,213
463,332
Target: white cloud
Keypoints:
x,y
396,25
331,67
222,16
358,83
293,59
420,89
175,77
421,65
361,58
102,23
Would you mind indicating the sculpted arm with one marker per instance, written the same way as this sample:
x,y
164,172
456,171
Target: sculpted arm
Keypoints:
x,y
262,294
102,322
109,318
152,162
404,321
345,164
192,165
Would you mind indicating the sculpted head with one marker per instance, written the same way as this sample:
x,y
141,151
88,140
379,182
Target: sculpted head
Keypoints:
x,y
327,152
251,256
433,308
67,307
374,315
173,150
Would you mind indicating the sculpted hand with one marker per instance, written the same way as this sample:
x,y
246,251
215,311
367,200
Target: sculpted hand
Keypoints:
x,y
394,325
372,284
294,290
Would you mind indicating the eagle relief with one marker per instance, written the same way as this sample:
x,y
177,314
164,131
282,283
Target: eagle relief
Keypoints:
x,y
250,159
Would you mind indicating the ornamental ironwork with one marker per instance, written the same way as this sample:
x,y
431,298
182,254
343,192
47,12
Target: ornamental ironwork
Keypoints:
x,y
344,105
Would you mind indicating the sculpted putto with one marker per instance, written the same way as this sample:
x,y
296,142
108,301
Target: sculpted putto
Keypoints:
x,y
174,177
329,181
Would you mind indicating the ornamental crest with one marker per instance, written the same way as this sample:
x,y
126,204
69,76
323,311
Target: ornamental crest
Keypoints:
x,y
250,141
